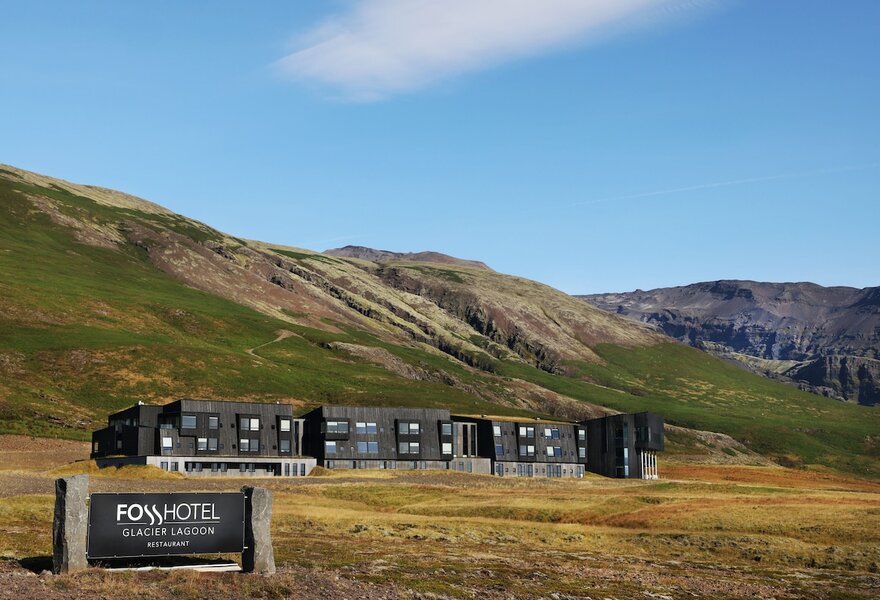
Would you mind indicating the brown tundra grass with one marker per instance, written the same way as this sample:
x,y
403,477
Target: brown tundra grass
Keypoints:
x,y
703,531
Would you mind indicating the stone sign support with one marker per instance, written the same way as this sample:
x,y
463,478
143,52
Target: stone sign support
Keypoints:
x,y
70,524
258,556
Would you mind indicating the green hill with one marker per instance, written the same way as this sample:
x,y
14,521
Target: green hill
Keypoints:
x,y
106,299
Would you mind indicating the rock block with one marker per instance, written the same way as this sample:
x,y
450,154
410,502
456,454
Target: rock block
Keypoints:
x,y
70,525
258,556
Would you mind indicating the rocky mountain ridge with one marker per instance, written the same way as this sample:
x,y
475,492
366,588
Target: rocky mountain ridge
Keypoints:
x,y
373,255
824,339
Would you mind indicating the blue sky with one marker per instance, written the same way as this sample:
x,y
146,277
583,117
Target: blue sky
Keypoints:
x,y
594,146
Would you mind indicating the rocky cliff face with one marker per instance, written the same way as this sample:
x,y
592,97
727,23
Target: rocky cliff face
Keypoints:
x,y
826,339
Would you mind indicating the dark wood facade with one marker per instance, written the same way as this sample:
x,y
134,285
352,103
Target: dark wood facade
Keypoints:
x,y
381,438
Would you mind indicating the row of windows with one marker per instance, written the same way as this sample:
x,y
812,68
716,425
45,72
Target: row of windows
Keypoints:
x,y
529,450
197,467
368,427
291,470
331,447
244,423
394,464
526,431
403,427
211,444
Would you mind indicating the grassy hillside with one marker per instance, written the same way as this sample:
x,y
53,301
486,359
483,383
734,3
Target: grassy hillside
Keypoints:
x,y
106,300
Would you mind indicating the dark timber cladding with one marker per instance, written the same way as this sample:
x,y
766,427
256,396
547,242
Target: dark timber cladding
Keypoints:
x,y
206,438
215,438
201,427
625,445
534,447
379,437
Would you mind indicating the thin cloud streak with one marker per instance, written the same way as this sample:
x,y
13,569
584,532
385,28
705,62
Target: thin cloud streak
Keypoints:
x,y
731,183
384,47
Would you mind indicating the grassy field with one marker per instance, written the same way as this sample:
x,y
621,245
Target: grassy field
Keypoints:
x,y
704,531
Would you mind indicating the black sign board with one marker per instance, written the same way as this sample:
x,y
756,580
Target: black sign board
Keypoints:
x,y
133,525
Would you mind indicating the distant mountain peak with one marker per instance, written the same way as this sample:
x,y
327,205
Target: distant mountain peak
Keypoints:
x,y
374,255
826,339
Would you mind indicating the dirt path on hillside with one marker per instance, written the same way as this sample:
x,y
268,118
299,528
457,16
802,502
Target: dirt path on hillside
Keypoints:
x,y
282,334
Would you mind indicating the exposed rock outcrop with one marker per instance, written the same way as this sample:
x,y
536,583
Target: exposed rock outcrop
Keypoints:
x,y
825,339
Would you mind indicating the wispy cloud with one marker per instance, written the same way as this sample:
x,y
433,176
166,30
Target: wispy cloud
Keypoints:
x,y
383,47
728,183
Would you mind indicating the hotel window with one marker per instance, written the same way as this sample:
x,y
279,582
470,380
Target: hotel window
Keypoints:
x,y
408,448
337,427
407,428
167,443
213,422
249,445
499,450
526,450
582,435
446,429
163,465
447,448
188,422
329,447
555,451
202,444
368,447
285,425
174,466
365,427
496,430
212,444
582,452
249,424
285,445
526,432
